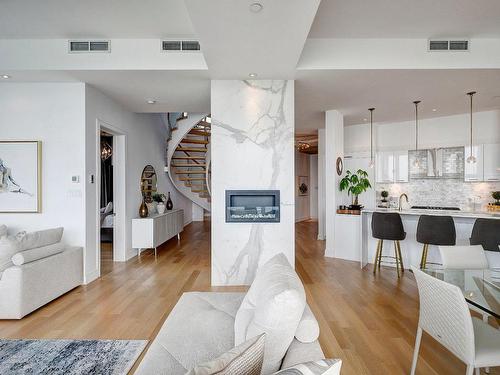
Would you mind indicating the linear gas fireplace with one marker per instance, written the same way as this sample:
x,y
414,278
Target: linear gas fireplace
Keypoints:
x,y
252,206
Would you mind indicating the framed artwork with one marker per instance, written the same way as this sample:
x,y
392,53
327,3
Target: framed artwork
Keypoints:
x,y
303,185
20,176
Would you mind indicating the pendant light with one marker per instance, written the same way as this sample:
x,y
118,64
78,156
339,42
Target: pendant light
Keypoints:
x,y
416,163
471,159
372,160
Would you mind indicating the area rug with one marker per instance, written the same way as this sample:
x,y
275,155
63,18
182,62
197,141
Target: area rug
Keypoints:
x,y
54,357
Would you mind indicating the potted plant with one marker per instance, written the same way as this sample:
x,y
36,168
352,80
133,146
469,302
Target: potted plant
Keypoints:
x,y
384,195
496,197
159,198
355,184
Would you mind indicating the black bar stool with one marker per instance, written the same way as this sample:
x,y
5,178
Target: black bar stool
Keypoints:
x,y
435,230
486,232
388,226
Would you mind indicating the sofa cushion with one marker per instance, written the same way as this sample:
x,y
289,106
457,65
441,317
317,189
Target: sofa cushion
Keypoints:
x,y
3,230
308,329
198,329
37,253
321,367
273,305
243,359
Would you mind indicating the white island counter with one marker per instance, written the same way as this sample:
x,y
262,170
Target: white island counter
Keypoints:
x,y
410,248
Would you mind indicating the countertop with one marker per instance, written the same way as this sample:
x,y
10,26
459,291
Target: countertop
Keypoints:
x,y
417,212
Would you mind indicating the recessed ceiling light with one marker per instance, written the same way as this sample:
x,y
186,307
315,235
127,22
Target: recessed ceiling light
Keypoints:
x,y
256,7
151,101
365,119
252,75
434,109
5,76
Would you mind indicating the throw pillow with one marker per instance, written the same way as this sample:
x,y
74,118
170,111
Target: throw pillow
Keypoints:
x,y
308,329
321,367
37,253
273,305
245,359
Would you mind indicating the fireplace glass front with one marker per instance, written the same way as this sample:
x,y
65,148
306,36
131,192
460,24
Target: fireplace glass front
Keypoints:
x,y
252,206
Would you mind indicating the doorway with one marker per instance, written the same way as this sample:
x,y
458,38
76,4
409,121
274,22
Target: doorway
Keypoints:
x,y
110,197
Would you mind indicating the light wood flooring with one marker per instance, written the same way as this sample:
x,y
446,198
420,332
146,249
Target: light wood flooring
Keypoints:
x,y
368,321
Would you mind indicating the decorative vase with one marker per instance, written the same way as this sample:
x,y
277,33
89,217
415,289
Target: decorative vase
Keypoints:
x,y
143,210
170,205
151,207
161,208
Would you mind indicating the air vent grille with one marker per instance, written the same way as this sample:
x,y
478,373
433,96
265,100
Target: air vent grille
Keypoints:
x,y
180,45
78,46
448,45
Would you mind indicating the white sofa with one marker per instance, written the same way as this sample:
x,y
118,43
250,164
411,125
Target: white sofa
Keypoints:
x,y
202,326
40,279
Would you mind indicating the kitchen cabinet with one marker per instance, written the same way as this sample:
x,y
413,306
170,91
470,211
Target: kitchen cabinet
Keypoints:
x,y
474,171
491,162
391,166
385,166
401,166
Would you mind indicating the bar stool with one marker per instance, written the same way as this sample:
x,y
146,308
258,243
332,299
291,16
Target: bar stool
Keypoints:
x,y
435,230
388,226
486,232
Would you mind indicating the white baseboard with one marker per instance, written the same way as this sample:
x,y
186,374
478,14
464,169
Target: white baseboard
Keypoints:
x,y
88,278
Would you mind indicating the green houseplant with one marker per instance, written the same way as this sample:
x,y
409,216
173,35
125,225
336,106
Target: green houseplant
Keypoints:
x,y
355,184
496,197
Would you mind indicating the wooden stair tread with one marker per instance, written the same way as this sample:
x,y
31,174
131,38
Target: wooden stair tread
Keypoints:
x,y
199,132
189,165
195,141
199,190
190,172
191,178
189,157
192,149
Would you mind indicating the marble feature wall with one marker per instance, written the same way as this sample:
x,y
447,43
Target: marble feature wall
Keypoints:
x,y
443,192
252,147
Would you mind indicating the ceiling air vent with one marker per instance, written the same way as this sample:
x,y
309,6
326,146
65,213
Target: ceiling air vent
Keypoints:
x,y
180,45
448,45
78,46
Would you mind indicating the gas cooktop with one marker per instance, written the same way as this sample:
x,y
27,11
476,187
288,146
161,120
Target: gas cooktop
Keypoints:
x,y
435,208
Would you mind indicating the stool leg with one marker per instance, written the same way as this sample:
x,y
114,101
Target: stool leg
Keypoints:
x,y
380,253
422,258
400,256
397,258
426,246
376,257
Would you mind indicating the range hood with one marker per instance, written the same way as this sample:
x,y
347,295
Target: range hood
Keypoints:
x,y
446,162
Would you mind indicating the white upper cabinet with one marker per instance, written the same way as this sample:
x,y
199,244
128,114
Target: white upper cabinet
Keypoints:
x,y
391,166
401,166
474,171
491,158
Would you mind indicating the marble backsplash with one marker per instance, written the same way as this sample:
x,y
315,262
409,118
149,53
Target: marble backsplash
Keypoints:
x,y
442,192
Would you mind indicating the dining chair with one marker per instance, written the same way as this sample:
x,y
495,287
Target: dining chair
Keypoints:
x,y
445,316
463,257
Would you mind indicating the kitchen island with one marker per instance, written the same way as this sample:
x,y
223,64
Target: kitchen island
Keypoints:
x,y
410,248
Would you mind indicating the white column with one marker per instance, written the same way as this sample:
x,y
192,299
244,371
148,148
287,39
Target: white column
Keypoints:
x,y
334,148
321,184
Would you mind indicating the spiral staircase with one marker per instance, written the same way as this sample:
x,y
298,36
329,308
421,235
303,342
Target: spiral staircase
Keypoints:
x,y
188,156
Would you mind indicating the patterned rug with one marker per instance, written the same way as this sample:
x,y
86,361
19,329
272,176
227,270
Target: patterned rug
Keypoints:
x,y
54,357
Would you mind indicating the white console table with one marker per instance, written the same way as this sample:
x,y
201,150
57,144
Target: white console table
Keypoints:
x,y
150,232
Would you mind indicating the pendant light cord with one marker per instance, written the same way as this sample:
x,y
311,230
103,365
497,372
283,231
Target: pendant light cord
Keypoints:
x,y
471,94
416,102
371,133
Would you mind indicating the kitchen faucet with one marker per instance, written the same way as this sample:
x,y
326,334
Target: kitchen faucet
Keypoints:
x,y
401,196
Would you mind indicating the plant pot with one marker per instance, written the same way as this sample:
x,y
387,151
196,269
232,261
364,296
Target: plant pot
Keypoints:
x,y
161,208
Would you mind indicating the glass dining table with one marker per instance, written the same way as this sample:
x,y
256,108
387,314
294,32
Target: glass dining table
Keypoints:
x,y
481,288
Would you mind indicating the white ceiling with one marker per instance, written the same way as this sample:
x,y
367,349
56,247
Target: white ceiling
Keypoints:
x,y
391,92
406,19
32,19
236,41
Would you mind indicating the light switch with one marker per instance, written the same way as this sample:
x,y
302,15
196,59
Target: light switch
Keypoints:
x,y
75,179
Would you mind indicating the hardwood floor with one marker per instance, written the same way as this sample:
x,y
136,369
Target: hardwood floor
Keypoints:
x,y
368,321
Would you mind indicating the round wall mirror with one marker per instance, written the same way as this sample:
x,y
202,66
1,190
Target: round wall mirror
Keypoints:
x,y
340,166
148,181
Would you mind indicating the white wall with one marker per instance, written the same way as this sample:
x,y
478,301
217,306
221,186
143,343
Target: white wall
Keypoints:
x,y
252,147
435,132
302,202
145,144
54,114
313,186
